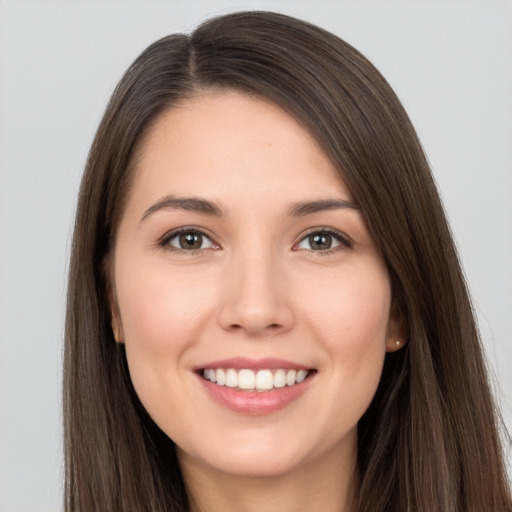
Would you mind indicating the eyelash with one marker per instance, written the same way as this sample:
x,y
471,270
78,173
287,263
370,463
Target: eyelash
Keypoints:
x,y
168,237
343,240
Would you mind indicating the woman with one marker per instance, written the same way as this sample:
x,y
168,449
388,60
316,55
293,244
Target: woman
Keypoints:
x,y
265,309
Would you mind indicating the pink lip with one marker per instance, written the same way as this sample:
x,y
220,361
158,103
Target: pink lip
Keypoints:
x,y
239,363
254,402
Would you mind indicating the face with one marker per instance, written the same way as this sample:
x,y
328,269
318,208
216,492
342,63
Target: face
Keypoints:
x,y
253,304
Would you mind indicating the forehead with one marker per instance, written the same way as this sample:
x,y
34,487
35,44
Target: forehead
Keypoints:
x,y
226,144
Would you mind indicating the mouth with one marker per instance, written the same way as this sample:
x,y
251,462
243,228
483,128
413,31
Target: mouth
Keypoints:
x,y
255,387
266,379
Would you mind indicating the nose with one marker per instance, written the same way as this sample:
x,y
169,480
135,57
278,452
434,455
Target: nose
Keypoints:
x,y
256,298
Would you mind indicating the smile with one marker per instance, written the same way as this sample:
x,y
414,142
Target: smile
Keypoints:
x,y
250,380
255,386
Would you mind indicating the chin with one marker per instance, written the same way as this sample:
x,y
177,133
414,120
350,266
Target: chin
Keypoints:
x,y
267,456
246,465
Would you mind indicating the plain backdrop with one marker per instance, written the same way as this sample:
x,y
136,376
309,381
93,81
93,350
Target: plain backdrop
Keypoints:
x,y
449,61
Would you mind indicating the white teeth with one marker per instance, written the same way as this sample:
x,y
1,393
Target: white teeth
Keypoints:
x,y
231,378
246,379
279,379
290,377
301,375
262,380
220,377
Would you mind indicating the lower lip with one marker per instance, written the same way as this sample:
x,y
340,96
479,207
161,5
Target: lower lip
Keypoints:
x,y
255,402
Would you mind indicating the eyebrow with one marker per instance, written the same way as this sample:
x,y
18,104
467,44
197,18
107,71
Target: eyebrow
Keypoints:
x,y
194,204
189,204
308,207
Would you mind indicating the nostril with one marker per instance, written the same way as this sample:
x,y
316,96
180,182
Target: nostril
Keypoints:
x,y
268,328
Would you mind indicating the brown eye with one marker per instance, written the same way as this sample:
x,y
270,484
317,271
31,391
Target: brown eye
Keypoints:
x,y
319,241
190,241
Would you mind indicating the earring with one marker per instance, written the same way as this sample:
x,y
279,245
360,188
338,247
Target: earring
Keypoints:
x,y
398,343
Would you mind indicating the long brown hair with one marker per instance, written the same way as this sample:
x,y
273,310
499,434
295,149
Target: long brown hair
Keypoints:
x,y
430,439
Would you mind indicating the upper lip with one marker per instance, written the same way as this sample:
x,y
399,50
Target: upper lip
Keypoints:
x,y
240,363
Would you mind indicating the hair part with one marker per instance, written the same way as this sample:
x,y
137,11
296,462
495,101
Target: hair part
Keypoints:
x,y
429,440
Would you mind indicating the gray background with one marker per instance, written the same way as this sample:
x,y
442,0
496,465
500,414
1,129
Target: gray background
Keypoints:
x,y
449,61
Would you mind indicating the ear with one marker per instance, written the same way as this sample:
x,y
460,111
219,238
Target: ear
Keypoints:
x,y
397,334
115,316
117,326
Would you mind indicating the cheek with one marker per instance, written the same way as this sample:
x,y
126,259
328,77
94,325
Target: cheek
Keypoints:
x,y
353,305
351,313
163,315
160,308
352,318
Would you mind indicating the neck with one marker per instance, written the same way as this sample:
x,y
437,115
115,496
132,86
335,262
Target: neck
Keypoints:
x,y
327,485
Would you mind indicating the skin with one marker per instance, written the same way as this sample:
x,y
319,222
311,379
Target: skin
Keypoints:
x,y
256,288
